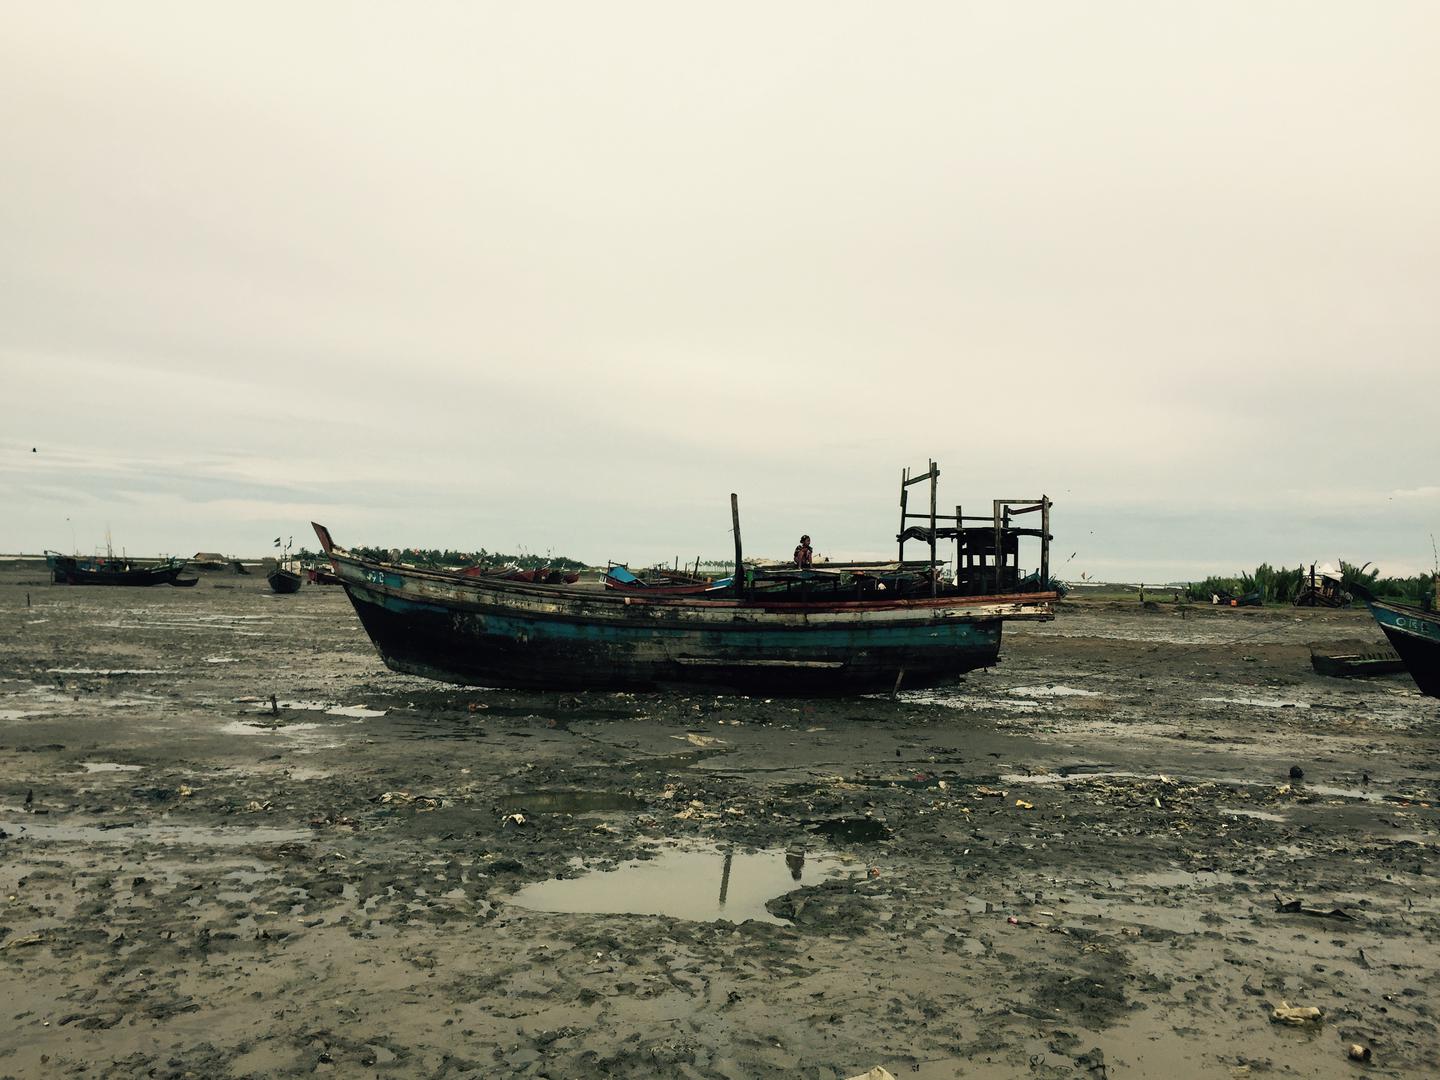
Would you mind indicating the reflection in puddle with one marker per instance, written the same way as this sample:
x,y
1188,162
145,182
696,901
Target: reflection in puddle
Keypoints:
x,y
330,708
696,884
573,802
237,727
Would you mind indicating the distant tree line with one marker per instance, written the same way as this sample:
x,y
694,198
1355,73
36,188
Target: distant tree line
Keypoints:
x,y
1282,586
481,558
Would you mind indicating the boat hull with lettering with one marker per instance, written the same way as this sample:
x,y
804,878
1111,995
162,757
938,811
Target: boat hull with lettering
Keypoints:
x,y
1415,635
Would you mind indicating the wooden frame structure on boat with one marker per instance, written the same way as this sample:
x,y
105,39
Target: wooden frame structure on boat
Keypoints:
x,y
987,556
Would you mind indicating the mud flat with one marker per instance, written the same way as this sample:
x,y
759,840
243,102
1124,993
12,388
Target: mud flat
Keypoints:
x,y
1065,867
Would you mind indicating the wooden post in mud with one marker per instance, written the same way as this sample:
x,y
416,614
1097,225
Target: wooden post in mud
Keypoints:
x,y
934,483
959,531
904,498
739,582
1044,544
999,544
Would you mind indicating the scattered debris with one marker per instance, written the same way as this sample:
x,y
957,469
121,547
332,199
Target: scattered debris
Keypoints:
x,y
512,819
421,803
1295,1015
1295,907
699,740
1359,1053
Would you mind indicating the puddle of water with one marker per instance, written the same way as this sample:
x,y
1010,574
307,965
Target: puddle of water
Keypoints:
x,y
1175,879
1262,815
1050,691
205,836
304,772
573,802
694,884
239,727
105,671
1258,702
959,699
1301,787
328,707
107,766
221,660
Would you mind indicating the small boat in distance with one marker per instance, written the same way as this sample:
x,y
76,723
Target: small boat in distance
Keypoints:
x,y
1415,633
283,577
73,570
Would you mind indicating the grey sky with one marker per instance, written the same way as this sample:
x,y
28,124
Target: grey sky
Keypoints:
x,y
563,276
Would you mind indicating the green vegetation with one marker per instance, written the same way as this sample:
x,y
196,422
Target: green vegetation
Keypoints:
x,y
1283,585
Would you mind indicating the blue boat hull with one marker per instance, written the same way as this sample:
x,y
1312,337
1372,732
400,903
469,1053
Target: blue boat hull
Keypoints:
x,y
1415,635
479,646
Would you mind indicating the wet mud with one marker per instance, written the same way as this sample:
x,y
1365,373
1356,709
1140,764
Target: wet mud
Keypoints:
x,y
1092,861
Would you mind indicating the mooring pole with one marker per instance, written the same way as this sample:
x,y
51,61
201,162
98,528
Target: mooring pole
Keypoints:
x,y
739,554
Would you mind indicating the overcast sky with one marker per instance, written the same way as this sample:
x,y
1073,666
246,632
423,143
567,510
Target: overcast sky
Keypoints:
x,y
563,276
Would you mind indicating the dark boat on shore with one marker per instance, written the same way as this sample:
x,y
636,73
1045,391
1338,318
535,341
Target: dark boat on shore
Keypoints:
x,y
284,576
1415,634
493,631
283,581
72,570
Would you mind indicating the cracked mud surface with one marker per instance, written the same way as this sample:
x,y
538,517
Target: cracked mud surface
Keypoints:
x,y
1065,867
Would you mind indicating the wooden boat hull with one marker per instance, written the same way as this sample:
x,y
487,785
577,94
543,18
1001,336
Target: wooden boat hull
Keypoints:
x,y
1357,665
284,581
1415,635
66,570
488,632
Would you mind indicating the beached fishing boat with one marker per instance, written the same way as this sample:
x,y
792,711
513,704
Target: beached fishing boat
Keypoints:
x,y
284,576
72,570
283,581
1356,665
1415,634
488,631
